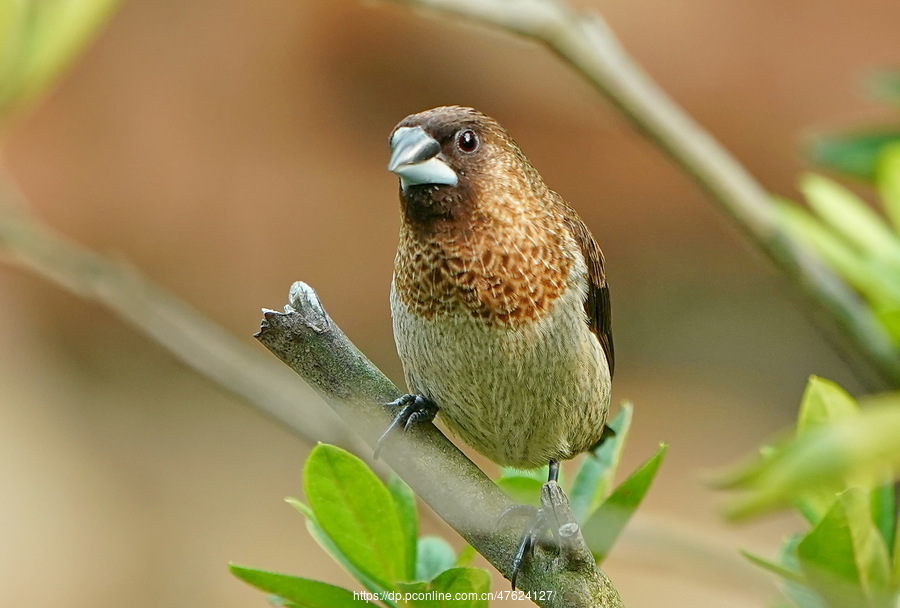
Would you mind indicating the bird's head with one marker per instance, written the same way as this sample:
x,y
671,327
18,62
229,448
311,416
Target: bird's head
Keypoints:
x,y
451,159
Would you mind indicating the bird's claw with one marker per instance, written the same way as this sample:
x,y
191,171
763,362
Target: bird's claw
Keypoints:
x,y
413,409
537,532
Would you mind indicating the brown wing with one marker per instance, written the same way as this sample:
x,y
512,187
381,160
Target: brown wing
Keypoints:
x,y
597,303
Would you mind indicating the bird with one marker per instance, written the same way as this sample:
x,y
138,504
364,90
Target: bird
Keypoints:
x,y
499,299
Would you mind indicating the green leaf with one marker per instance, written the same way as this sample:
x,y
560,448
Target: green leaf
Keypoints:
x,y
776,569
862,274
895,576
298,591
356,510
419,591
888,182
474,582
540,474
603,527
890,320
798,592
324,541
405,503
860,449
884,512
435,556
39,39
823,403
852,218
466,555
594,478
853,154
523,490
843,556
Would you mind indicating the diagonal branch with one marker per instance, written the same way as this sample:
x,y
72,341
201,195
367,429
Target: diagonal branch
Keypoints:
x,y
171,322
585,42
306,339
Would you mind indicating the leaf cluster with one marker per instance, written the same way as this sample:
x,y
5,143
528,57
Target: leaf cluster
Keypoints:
x,y
371,529
858,243
837,472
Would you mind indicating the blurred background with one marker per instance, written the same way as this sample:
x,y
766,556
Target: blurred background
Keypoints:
x,y
229,148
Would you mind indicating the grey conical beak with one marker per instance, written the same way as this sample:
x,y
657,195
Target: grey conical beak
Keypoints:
x,y
415,158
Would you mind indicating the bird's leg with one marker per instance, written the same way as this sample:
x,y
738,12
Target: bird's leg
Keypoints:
x,y
543,519
413,409
553,471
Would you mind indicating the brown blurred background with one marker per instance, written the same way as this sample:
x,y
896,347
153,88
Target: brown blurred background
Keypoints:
x,y
229,148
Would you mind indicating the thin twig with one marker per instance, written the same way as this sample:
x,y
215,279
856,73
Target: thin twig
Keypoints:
x,y
171,322
585,42
309,341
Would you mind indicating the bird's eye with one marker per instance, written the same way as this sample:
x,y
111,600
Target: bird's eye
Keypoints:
x,y
467,141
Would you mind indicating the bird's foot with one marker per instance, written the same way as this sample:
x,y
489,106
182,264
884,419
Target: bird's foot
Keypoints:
x,y
413,409
536,532
540,531
552,525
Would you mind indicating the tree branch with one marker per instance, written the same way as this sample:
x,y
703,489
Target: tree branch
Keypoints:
x,y
306,339
191,337
584,41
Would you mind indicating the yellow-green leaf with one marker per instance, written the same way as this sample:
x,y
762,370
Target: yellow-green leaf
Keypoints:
x,y
300,592
888,182
356,511
603,527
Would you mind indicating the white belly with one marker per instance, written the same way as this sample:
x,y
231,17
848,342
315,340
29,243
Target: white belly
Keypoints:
x,y
521,395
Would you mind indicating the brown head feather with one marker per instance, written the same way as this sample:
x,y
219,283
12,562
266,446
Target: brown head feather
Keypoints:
x,y
499,244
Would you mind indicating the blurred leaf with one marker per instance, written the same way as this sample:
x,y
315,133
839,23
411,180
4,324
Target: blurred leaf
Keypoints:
x,y
40,39
324,541
474,581
838,254
884,513
594,478
823,403
435,556
859,448
883,85
466,555
356,511
895,576
852,218
523,490
420,589
798,592
843,556
405,503
776,569
455,580
853,154
888,182
298,591
540,474
603,527
890,319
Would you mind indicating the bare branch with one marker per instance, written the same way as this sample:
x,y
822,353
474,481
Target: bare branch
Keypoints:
x,y
190,336
306,338
585,42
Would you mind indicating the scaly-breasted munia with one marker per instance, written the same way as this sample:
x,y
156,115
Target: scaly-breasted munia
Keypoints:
x,y
499,298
